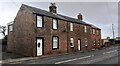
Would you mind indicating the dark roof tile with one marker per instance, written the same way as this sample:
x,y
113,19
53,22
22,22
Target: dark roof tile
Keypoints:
x,y
59,16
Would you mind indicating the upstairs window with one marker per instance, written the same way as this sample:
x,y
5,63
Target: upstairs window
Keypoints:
x,y
71,26
94,42
39,21
55,24
85,28
71,42
97,32
10,27
86,42
93,31
55,42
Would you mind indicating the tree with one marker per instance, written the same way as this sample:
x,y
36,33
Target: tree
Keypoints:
x,y
2,30
108,37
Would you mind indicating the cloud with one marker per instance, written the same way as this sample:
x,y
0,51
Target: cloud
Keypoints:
x,y
101,14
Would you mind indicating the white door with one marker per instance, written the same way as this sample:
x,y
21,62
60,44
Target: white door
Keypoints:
x,y
79,45
39,47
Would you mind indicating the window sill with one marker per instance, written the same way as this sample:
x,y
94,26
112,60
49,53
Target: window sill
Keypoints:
x,y
55,48
55,29
72,46
86,46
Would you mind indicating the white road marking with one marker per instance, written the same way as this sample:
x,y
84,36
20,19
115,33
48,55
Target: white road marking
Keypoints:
x,y
96,60
110,52
74,59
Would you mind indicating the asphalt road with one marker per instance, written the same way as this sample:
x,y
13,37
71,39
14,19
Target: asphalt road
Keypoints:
x,y
107,55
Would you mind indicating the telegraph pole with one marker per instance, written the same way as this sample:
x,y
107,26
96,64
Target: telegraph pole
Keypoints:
x,y
113,34
113,31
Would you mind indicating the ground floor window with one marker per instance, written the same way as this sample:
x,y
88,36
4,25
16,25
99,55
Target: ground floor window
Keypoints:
x,y
94,42
71,42
86,42
55,42
98,42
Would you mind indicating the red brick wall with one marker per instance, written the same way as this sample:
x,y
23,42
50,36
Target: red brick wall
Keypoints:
x,y
22,33
78,33
86,35
10,45
47,33
97,37
23,38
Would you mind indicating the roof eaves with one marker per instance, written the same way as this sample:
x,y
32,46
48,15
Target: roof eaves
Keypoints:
x,y
58,16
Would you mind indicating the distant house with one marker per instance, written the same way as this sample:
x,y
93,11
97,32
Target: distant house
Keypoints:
x,y
105,42
117,40
37,32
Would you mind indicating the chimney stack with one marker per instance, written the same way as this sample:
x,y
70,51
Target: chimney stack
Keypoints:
x,y
80,16
52,8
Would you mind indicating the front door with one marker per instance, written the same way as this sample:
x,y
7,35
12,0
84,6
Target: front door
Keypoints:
x,y
39,46
79,48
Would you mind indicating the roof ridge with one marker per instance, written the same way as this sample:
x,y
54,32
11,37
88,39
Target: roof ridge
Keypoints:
x,y
57,15
47,11
33,7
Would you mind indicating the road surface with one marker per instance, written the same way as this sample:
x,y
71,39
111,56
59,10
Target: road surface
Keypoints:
x,y
107,55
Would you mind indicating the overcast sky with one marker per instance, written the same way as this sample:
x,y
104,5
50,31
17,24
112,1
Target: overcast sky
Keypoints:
x,y
100,14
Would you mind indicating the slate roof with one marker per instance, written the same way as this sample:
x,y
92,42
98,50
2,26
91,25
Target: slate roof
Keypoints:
x,y
59,16
95,27
74,20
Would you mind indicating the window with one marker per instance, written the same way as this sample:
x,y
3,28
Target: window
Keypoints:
x,y
93,31
85,28
97,32
94,42
55,24
55,42
86,42
71,26
71,42
98,42
39,21
10,27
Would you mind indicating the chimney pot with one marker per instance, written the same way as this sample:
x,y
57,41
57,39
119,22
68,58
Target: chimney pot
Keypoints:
x,y
52,8
80,16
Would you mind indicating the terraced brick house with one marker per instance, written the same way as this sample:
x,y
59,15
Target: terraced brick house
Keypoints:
x,y
96,37
37,32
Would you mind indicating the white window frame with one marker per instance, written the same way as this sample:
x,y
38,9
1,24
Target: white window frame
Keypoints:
x,y
85,28
55,24
71,26
94,42
98,42
93,31
55,42
39,21
86,42
10,28
97,32
71,42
